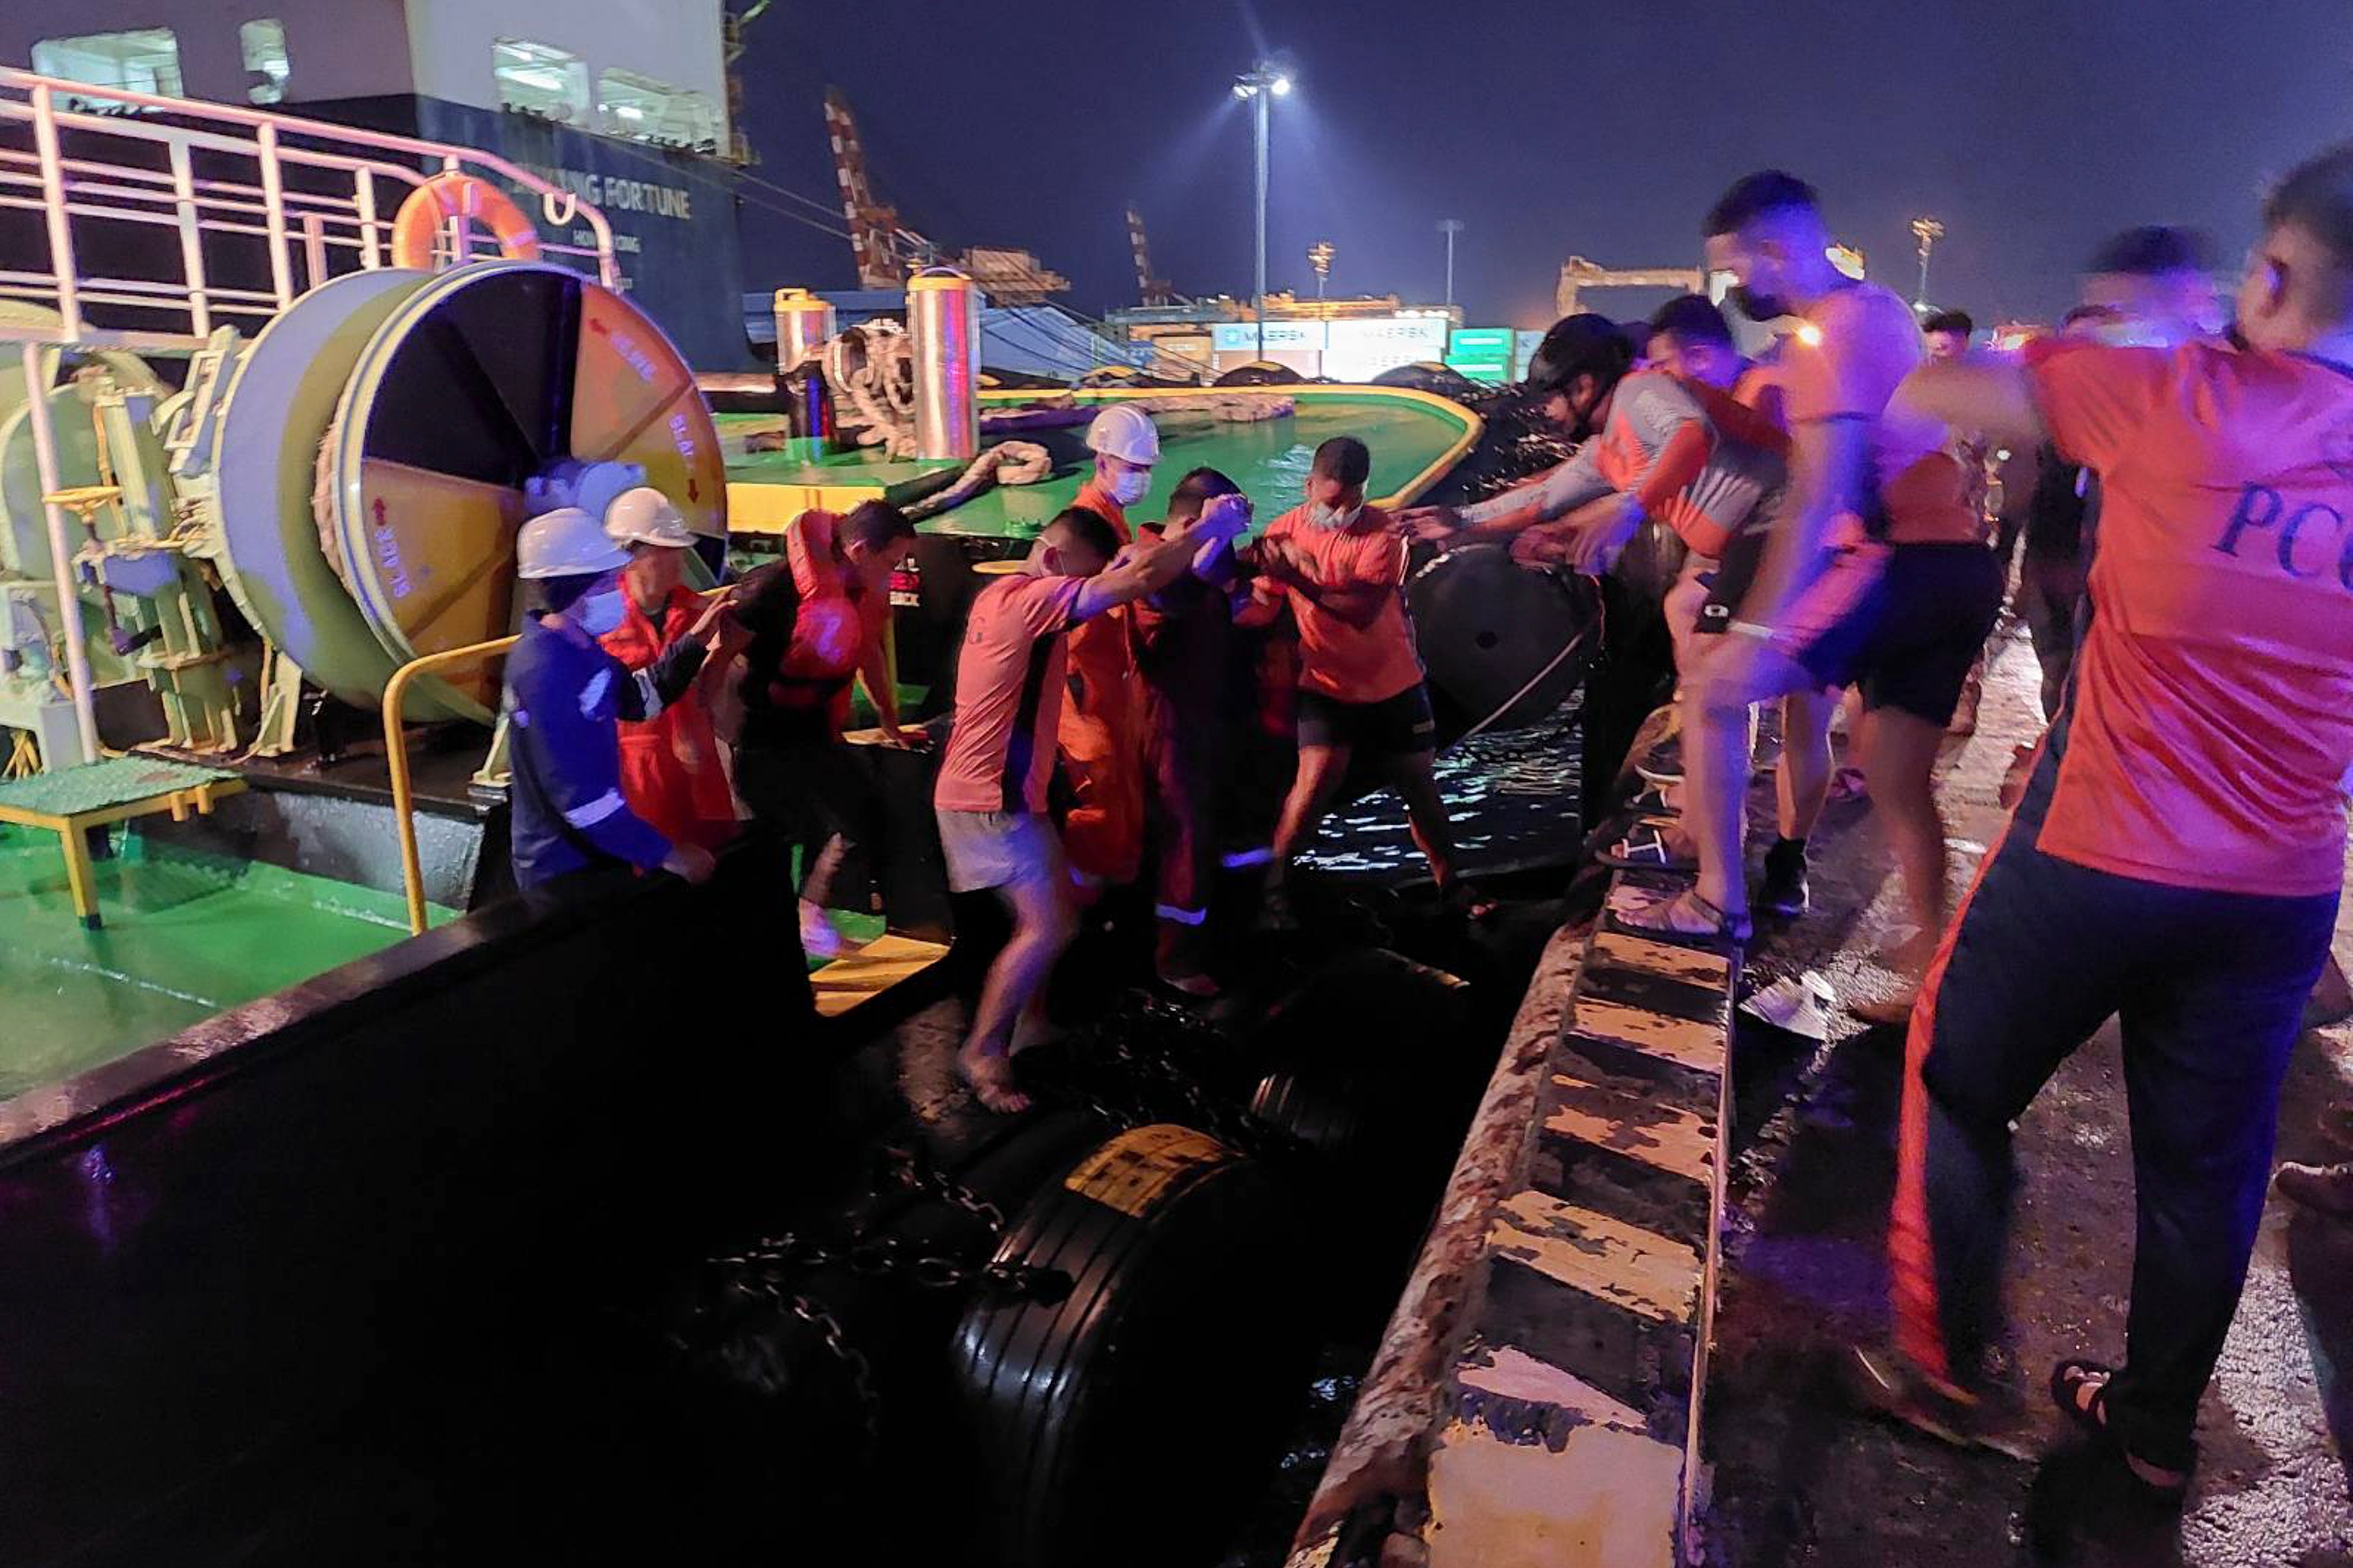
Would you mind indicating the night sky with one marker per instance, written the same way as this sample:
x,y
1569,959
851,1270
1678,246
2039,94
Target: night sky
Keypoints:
x,y
2032,128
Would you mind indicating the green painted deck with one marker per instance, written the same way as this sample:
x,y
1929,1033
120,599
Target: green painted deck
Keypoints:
x,y
1269,458
864,466
186,936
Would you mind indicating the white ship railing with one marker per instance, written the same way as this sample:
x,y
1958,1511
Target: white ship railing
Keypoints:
x,y
333,215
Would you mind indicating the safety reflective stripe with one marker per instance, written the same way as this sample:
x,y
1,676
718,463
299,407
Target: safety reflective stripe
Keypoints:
x,y
1241,859
1182,917
592,695
646,690
596,810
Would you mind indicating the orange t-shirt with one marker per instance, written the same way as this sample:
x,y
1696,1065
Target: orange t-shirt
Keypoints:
x,y
2211,719
1869,341
1354,664
1008,700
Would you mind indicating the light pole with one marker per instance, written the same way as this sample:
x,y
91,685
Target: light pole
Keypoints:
x,y
1265,82
1319,257
1450,227
1928,231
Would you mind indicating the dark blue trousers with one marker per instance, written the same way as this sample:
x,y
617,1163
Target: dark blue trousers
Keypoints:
x,y
2210,988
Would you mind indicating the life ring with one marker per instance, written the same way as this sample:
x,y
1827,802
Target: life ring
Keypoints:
x,y
417,228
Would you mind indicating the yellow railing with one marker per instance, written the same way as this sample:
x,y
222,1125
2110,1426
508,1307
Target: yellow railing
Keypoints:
x,y
396,756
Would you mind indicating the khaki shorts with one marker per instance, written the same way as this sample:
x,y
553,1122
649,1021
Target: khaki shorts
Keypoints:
x,y
987,850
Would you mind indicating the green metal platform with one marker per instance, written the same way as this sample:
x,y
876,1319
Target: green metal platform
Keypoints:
x,y
1414,438
188,936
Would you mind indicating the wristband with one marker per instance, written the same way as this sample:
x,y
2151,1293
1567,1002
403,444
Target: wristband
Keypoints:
x,y
1752,629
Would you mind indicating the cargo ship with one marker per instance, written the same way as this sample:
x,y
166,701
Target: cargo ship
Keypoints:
x,y
296,1096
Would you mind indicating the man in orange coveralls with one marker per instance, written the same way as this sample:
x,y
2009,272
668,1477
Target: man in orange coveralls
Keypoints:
x,y
1101,737
817,622
672,772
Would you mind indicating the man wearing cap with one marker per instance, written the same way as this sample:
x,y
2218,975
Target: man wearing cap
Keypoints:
x,y
565,699
1579,379
1101,737
671,772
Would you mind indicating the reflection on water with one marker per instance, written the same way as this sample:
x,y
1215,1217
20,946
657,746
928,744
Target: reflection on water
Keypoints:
x,y
1512,795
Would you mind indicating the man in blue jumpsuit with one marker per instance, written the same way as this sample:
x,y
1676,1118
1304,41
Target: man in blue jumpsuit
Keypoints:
x,y
565,696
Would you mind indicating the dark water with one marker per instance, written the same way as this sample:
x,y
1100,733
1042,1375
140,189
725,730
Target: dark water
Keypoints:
x,y
1513,798
1512,795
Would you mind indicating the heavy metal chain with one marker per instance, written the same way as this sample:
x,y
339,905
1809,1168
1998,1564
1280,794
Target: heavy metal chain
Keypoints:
x,y
851,1358
886,1256
1219,1115
908,1166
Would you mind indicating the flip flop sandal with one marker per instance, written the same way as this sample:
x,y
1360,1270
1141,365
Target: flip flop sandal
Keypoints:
x,y
2074,1373
1646,848
1687,917
1653,802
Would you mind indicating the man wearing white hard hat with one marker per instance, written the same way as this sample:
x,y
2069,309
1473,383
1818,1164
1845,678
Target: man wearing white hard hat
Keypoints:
x,y
672,772
1101,736
565,699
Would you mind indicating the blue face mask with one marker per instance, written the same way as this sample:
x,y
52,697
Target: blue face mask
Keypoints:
x,y
1321,516
601,614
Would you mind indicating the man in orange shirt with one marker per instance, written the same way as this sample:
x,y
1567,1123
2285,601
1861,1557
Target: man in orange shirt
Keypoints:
x,y
1102,729
1340,565
2179,853
991,794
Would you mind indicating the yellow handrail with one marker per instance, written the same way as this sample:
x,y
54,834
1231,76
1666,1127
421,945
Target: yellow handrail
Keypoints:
x,y
395,754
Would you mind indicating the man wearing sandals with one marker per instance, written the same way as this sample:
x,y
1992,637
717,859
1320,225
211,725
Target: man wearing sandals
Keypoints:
x,y
1876,575
2177,857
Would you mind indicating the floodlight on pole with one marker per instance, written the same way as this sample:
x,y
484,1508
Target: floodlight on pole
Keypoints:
x,y
1928,231
1265,82
1450,227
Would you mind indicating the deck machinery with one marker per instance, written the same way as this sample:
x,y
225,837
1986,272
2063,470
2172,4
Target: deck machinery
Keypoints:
x,y
343,464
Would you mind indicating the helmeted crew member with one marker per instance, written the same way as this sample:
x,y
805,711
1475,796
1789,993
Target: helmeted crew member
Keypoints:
x,y
671,770
1878,574
1575,378
1339,566
2178,855
818,620
1185,649
1101,735
565,698
1717,491
1011,676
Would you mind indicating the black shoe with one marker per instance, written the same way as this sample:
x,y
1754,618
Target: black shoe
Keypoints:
x,y
1784,891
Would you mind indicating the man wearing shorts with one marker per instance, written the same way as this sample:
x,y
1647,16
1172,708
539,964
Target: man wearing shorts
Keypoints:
x,y
2176,859
1340,566
1878,575
991,794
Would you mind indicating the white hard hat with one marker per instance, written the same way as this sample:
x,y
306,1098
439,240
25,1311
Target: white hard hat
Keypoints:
x,y
644,516
566,542
1125,432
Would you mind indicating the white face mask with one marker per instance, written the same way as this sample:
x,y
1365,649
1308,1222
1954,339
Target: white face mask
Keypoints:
x,y
601,614
1127,487
1322,516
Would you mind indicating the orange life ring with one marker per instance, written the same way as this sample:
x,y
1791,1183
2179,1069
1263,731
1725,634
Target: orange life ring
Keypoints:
x,y
418,226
